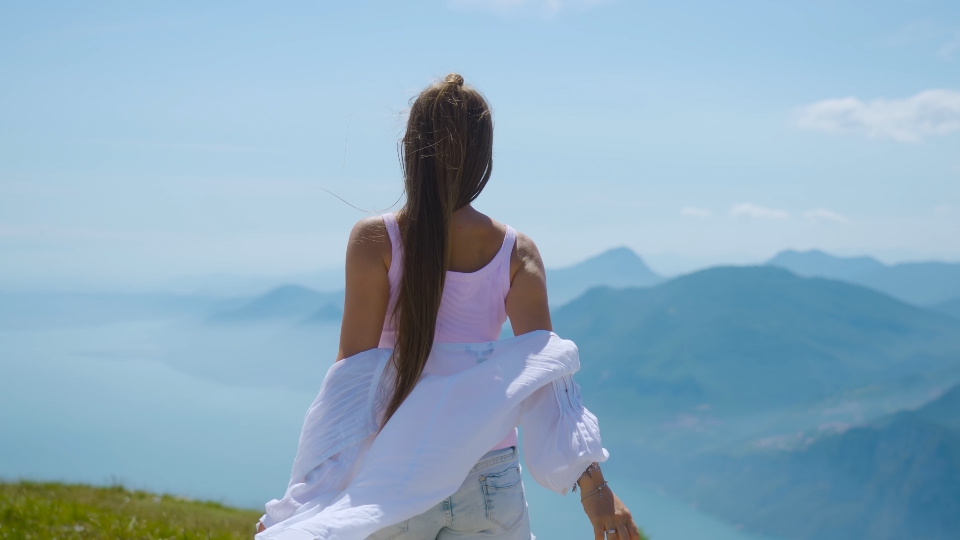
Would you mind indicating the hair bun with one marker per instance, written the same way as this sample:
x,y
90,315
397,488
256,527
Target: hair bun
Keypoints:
x,y
454,78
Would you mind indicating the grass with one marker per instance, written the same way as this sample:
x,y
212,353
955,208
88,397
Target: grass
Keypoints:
x,y
54,511
41,511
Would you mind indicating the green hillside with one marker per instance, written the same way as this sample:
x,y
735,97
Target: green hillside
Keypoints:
x,y
748,338
40,511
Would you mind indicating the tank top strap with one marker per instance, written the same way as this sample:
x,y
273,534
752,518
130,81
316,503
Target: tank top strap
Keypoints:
x,y
504,256
396,246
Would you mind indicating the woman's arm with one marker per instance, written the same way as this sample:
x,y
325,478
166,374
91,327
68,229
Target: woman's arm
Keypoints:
x,y
528,310
604,509
526,302
367,290
367,287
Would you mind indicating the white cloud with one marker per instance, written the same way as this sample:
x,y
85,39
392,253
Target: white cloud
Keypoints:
x,y
506,7
943,209
754,211
822,214
692,211
929,113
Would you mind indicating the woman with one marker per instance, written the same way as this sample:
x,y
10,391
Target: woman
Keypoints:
x,y
440,271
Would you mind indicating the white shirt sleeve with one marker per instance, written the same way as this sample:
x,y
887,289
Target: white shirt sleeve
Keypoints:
x,y
561,438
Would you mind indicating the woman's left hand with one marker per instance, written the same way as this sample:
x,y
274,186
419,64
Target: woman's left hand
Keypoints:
x,y
607,513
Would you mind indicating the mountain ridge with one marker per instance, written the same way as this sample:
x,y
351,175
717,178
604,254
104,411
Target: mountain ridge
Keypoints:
x,y
918,283
758,333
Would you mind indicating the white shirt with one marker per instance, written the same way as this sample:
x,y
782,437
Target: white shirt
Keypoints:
x,y
349,481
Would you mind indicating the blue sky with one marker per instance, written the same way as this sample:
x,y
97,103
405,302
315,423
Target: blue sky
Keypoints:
x,y
139,143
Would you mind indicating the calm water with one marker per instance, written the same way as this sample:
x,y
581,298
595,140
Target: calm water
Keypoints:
x,y
104,403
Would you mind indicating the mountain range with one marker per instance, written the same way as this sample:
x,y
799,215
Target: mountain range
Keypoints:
x,y
919,283
750,337
933,284
696,376
618,267
897,477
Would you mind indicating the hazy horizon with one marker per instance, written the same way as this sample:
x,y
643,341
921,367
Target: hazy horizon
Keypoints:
x,y
233,283
229,284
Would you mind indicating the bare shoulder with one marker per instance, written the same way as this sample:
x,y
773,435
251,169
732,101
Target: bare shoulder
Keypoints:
x,y
369,240
526,257
526,303
369,229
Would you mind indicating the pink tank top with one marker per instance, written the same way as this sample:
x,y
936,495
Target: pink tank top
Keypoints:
x,y
472,306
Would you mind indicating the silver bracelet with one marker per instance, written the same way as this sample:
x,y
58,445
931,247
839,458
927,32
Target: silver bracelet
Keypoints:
x,y
592,468
599,489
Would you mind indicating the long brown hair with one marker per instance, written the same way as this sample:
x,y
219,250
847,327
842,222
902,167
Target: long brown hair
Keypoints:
x,y
447,157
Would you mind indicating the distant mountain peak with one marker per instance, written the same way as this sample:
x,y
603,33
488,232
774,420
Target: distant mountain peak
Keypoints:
x,y
621,251
624,256
617,267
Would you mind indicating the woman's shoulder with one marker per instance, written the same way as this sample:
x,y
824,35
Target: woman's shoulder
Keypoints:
x,y
527,304
370,231
369,240
369,227
525,256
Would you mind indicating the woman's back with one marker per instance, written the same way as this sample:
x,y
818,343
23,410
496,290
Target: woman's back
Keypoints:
x,y
473,303
477,243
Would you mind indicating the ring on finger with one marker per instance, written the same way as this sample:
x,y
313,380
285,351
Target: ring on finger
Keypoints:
x,y
611,531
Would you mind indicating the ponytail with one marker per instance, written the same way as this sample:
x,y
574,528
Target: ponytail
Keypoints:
x,y
447,157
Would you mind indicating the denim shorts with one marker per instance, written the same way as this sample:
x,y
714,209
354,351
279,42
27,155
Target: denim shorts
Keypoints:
x,y
489,504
